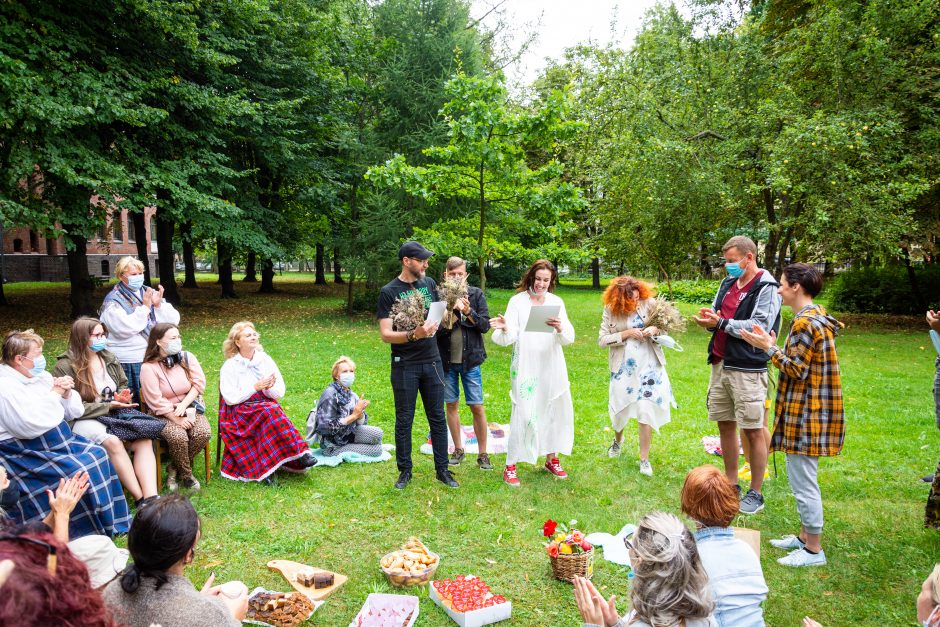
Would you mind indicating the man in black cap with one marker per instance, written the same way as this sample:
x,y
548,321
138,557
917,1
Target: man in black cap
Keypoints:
x,y
416,365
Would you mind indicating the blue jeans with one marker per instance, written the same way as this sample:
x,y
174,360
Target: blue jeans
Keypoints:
x,y
407,381
472,385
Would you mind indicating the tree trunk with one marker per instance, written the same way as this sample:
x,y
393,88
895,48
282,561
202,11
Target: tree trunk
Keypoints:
x,y
337,270
250,275
912,280
189,257
321,269
596,273
773,237
165,259
481,260
267,277
143,243
704,266
3,296
353,234
225,269
82,294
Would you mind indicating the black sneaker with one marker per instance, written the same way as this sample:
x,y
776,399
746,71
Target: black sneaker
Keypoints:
x,y
456,457
403,480
752,503
307,461
142,503
447,478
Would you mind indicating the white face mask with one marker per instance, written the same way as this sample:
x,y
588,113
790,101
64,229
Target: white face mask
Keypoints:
x,y
347,378
173,347
668,342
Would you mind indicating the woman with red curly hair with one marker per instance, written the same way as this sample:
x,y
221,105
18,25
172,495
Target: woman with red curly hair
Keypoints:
x,y
639,386
48,585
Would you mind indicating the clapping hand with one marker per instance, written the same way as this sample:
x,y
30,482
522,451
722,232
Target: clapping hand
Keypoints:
x,y
361,405
68,494
265,382
157,295
124,396
707,318
499,322
933,319
594,609
62,386
759,338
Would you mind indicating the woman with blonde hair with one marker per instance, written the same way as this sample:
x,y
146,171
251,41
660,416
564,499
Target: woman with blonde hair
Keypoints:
x,y
37,447
670,585
110,418
639,385
171,383
259,437
129,311
341,419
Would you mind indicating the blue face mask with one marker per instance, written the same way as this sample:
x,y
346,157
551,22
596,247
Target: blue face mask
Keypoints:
x,y
99,344
39,366
734,269
135,282
347,378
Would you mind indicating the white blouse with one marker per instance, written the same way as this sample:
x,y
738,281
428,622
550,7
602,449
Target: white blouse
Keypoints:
x,y
239,375
29,407
124,329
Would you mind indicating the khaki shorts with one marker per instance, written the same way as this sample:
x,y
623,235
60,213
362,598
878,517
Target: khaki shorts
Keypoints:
x,y
737,396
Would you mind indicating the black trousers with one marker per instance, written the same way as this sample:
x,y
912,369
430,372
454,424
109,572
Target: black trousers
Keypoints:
x,y
407,381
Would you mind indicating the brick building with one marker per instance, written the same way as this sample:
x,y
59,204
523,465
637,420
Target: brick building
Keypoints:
x,y
30,256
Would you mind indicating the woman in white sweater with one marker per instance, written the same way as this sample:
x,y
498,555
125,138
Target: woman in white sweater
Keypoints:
x,y
37,447
259,437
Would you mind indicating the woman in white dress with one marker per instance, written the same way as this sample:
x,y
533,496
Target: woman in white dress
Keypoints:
x,y
639,384
542,421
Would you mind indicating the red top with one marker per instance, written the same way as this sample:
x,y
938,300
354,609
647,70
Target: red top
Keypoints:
x,y
728,306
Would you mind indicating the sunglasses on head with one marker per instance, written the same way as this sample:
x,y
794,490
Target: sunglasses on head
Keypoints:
x,y
51,559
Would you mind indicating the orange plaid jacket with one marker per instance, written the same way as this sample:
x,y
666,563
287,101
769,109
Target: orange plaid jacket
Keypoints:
x,y
809,415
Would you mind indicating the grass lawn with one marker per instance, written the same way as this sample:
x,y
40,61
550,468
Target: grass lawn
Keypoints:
x,y
346,518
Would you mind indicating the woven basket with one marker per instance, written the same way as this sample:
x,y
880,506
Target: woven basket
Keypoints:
x,y
567,567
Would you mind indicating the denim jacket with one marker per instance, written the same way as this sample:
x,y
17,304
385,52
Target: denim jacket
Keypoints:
x,y
735,577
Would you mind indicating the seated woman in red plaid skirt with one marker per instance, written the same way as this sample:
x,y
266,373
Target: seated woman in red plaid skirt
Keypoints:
x,y
259,437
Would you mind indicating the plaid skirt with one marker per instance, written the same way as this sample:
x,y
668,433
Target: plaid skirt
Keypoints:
x,y
129,424
36,465
259,438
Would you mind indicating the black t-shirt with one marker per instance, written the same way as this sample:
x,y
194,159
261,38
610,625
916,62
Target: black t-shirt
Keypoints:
x,y
420,351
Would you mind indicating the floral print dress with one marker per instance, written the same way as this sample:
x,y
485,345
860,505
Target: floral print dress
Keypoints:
x,y
640,388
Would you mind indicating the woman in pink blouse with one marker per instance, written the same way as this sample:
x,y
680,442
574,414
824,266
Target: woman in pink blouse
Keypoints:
x,y
172,381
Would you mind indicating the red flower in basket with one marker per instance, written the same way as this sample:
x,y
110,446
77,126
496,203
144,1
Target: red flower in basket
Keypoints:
x,y
576,536
549,528
553,549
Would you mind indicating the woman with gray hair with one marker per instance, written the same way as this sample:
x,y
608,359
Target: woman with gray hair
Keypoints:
x,y
670,586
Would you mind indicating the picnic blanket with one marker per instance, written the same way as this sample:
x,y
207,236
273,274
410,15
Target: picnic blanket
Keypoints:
x,y
614,549
331,461
496,442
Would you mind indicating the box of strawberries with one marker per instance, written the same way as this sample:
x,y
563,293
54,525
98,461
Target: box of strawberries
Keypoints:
x,y
469,601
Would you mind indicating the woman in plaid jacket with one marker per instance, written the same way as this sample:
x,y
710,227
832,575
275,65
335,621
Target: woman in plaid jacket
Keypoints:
x,y
809,416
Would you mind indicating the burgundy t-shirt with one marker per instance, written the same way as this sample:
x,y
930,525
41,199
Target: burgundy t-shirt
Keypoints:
x,y
729,305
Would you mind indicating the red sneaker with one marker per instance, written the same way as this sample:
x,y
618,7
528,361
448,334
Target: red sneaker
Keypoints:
x,y
554,466
509,476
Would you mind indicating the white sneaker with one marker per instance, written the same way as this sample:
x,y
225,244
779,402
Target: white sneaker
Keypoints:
x,y
646,468
788,542
801,557
614,449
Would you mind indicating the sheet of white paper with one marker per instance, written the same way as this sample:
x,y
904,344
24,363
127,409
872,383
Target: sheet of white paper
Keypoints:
x,y
436,311
538,314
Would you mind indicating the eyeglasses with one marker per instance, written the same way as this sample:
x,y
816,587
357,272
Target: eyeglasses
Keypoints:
x,y
51,559
627,543
107,394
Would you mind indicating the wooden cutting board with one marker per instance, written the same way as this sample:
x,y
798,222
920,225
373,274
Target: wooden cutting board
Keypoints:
x,y
289,570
